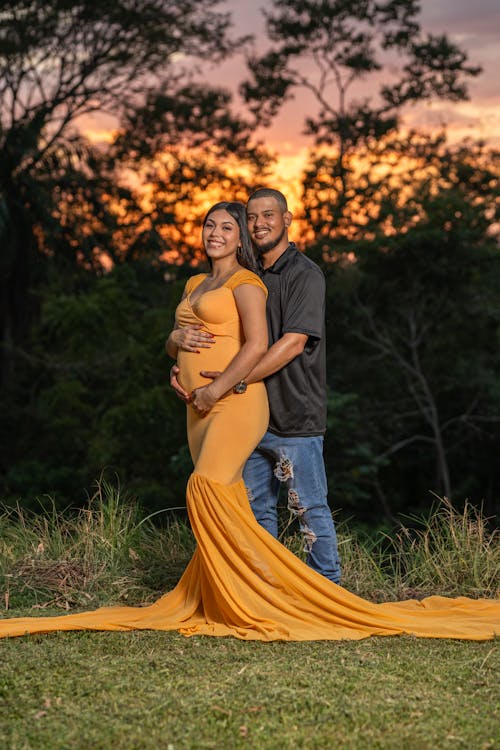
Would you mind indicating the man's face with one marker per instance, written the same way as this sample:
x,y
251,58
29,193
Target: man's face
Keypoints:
x,y
267,223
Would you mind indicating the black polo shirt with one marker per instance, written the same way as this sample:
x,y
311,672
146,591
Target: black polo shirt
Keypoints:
x,y
296,304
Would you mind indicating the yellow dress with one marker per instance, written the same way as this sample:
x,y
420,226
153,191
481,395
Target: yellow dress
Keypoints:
x,y
241,581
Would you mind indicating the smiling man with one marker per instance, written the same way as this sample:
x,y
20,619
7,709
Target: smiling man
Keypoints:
x,y
294,370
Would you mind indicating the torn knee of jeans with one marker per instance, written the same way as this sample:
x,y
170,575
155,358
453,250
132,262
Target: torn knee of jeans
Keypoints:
x,y
309,538
283,469
250,495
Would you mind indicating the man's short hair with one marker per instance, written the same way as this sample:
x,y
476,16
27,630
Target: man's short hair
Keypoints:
x,y
270,193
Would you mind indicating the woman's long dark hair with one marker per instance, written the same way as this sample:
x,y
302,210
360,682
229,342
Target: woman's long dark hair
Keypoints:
x,y
237,210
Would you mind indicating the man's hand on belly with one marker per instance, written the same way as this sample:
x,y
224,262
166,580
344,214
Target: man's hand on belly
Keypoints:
x,y
180,392
211,374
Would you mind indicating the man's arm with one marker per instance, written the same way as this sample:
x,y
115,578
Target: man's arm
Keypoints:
x,y
289,346
304,310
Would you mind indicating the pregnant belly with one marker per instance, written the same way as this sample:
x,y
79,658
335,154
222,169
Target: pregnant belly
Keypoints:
x,y
216,358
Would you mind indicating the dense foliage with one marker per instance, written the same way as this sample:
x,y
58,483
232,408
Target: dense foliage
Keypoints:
x,y
413,362
93,392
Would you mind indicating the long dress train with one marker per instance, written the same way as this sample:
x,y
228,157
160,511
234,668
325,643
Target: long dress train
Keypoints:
x,y
241,581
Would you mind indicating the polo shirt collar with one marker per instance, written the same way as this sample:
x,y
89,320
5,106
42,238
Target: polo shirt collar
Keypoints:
x,y
280,263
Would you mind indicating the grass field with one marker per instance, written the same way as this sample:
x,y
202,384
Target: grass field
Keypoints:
x,y
145,690
154,690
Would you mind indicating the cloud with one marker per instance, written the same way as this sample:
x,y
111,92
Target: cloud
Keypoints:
x,y
461,16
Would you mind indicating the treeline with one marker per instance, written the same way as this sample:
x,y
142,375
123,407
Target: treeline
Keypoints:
x,y
413,332
96,238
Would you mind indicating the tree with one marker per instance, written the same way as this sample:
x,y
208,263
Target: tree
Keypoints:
x,y
337,50
93,393
59,61
190,149
415,318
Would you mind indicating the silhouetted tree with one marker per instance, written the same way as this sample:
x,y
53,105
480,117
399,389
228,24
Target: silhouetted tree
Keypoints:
x,y
61,197
337,51
411,355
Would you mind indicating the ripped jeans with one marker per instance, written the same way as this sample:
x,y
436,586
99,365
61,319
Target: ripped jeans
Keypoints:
x,y
297,464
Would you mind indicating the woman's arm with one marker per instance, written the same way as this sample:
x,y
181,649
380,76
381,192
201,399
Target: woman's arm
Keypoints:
x,y
251,303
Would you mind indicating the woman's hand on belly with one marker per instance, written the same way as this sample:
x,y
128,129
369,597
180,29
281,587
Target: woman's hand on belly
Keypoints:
x,y
192,338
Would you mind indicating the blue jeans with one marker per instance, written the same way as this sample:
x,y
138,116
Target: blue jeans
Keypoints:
x,y
297,464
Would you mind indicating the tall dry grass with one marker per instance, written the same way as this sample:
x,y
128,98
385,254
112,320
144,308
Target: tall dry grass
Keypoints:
x,y
108,551
453,552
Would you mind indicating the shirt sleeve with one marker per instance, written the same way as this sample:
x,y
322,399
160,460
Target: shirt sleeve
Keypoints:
x,y
245,277
304,309
193,282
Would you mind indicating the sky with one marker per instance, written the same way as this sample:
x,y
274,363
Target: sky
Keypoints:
x,y
473,24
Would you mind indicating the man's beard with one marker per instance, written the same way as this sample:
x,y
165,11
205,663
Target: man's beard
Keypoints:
x,y
270,244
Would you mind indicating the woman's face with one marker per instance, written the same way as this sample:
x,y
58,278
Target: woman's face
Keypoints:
x,y
221,235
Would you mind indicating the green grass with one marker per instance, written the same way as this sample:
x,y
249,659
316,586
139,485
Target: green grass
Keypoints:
x,y
135,691
152,690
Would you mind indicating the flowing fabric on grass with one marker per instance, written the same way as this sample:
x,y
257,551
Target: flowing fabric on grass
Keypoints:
x,y
241,581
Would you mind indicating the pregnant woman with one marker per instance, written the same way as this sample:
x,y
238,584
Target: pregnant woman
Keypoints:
x,y
241,581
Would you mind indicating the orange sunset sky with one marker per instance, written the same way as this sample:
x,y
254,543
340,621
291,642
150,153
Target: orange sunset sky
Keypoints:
x,y
474,25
